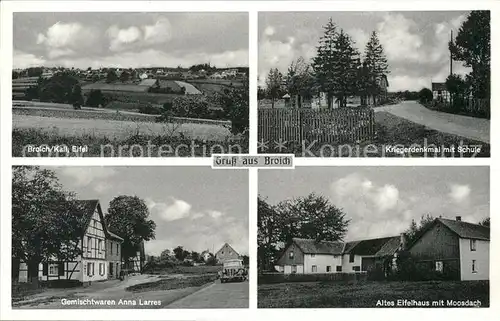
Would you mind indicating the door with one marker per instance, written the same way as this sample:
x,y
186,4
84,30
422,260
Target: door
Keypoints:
x,y
294,269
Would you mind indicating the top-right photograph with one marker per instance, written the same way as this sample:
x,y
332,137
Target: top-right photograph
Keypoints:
x,y
374,84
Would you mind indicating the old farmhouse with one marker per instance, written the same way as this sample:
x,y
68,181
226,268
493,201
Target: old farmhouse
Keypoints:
x,y
101,251
456,249
225,253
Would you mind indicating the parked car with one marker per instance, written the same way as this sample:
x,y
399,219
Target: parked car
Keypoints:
x,y
233,270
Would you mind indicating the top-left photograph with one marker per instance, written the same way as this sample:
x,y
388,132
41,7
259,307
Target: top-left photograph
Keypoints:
x,y
156,84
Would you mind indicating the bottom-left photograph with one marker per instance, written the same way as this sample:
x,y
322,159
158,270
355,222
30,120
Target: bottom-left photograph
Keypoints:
x,y
129,237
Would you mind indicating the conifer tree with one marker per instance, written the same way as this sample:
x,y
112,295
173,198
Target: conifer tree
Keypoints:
x,y
376,64
324,62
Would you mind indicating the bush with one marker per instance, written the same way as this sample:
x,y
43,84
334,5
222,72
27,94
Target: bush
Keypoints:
x,y
95,98
425,95
150,110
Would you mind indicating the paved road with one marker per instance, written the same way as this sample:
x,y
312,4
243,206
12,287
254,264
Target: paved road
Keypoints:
x,y
469,127
217,295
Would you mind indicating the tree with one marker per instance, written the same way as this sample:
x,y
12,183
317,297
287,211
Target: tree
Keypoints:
x,y
415,230
196,256
59,88
273,84
376,66
95,98
128,217
425,95
245,259
166,254
15,74
76,97
180,253
235,103
111,76
35,71
472,46
457,87
485,222
124,76
311,217
44,226
324,62
346,68
299,81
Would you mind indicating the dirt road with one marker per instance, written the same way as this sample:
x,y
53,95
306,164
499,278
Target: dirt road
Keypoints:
x,y
217,295
465,126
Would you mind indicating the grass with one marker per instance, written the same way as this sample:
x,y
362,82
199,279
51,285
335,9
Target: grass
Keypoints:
x,y
366,294
105,114
20,291
172,283
393,131
140,145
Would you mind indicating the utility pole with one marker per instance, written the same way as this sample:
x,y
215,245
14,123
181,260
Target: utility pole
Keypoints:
x,y
451,59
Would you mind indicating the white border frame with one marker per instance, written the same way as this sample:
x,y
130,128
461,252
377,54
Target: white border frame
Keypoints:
x,y
253,7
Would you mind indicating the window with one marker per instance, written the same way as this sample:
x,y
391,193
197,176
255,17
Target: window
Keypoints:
x,y
89,243
356,268
294,268
474,266
53,269
351,258
339,268
290,255
472,245
439,266
102,269
313,255
110,268
328,268
111,247
117,249
314,268
89,269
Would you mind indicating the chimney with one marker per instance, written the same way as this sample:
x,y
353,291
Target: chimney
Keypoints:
x,y
403,241
458,218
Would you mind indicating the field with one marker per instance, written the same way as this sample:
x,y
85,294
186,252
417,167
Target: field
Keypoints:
x,y
367,294
136,134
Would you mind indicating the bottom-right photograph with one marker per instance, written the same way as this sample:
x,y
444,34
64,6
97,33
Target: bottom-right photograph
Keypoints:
x,y
381,236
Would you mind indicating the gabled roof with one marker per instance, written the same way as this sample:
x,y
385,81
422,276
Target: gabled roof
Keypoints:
x,y
390,247
148,82
85,209
309,246
226,245
190,89
467,230
372,246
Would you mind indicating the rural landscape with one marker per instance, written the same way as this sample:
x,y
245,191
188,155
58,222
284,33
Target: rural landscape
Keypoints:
x,y
160,89
385,237
374,84
99,238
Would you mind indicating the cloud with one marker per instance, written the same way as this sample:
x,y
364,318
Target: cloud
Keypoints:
x,y
459,193
122,37
269,31
215,214
175,210
82,176
160,32
26,60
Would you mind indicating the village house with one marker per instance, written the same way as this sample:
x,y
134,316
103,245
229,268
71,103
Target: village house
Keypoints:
x,y
225,253
455,248
440,93
309,256
95,261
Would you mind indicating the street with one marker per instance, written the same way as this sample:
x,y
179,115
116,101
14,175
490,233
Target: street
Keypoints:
x,y
217,295
465,126
211,295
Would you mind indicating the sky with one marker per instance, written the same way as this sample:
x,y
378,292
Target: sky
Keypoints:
x,y
415,43
196,207
382,201
130,40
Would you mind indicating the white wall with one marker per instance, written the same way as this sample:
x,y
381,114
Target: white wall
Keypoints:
x,y
74,267
482,257
96,276
347,267
321,261
287,269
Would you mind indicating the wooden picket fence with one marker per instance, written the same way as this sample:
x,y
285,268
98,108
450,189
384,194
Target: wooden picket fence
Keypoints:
x,y
332,126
